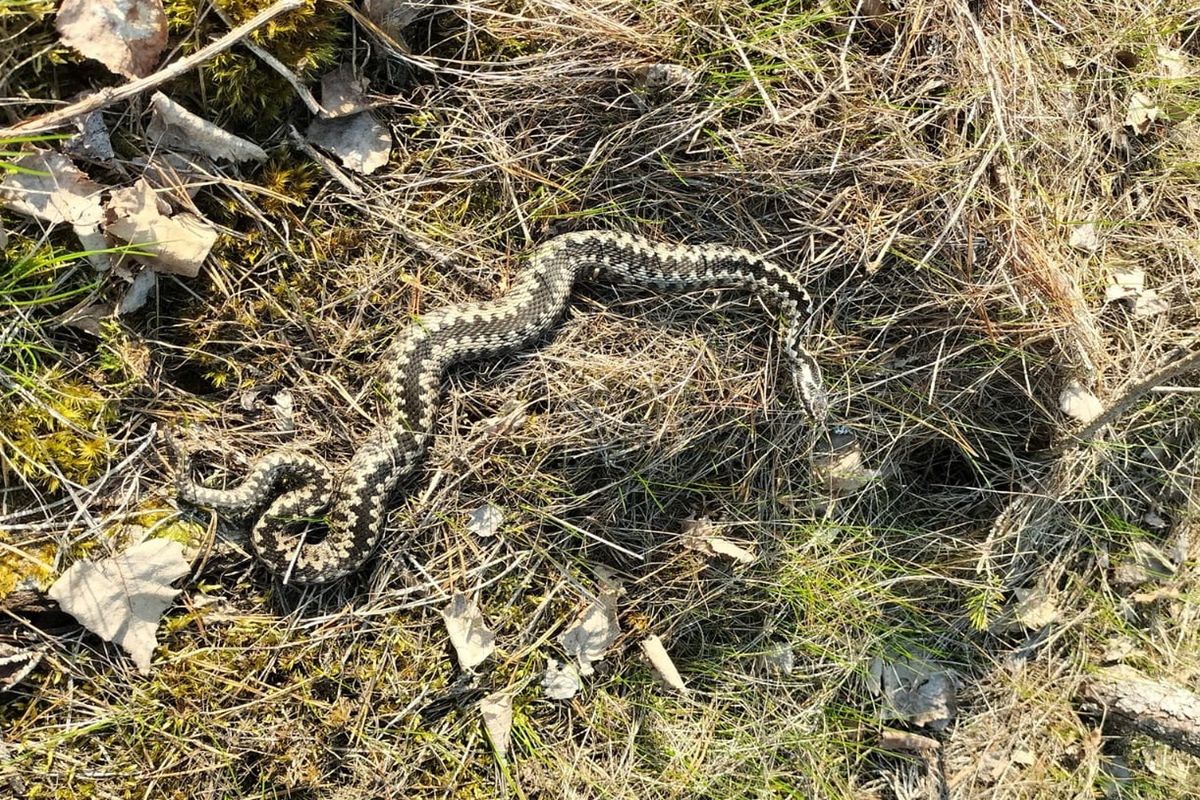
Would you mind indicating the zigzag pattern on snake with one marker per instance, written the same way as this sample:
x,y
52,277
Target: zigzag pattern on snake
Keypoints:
x,y
288,490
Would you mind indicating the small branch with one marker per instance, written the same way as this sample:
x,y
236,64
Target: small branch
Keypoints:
x,y
1168,713
1185,360
115,94
903,741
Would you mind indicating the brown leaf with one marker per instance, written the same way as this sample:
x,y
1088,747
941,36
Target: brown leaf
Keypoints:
x,y
342,92
174,126
1080,404
653,647
496,710
177,244
593,632
914,689
127,36
360,142
485,520
122,598
561,681
469,634
1085,238
392,16
1142,113
51,188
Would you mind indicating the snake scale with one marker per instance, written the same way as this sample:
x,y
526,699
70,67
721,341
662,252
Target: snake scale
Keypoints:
x,y
285,492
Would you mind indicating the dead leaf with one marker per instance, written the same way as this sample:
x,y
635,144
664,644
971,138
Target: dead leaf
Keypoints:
x,y
1023,758
1034,609
901,741
778,660
1174,63
1079,404
652,646
1130,285
914,689
92,141
485,520
1148,303
497,714
360,142
392,16
176,244
839,464
122,598
1145,563
1142,113
177,128
1085,238
127,36
139,291
1125,283
472,640
561,681
342,92
728,549
593,632
50,187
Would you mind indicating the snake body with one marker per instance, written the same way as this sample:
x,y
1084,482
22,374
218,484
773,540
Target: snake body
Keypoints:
x,y
287,490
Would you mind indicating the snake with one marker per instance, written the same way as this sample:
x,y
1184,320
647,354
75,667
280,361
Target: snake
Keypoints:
x,y
286,495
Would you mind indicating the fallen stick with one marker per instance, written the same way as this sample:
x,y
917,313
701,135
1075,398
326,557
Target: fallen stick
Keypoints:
x,y
1132,701
114,94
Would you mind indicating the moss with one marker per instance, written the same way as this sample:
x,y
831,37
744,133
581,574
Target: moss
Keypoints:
x,y
235,85
289,181
29,563
56,428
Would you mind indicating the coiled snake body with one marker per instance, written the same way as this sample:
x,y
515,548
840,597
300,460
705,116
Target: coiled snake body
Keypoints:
x,y
287,489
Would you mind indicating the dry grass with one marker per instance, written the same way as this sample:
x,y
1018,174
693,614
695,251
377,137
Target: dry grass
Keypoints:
x,y
923,169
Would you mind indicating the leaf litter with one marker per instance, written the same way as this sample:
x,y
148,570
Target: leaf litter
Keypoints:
x,y
1080,404
359,140
657,654
915,689
173,126
175,244
49,187
497,712
561,681
122,598
127,36
1129,286
469,634
485,521
593,633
